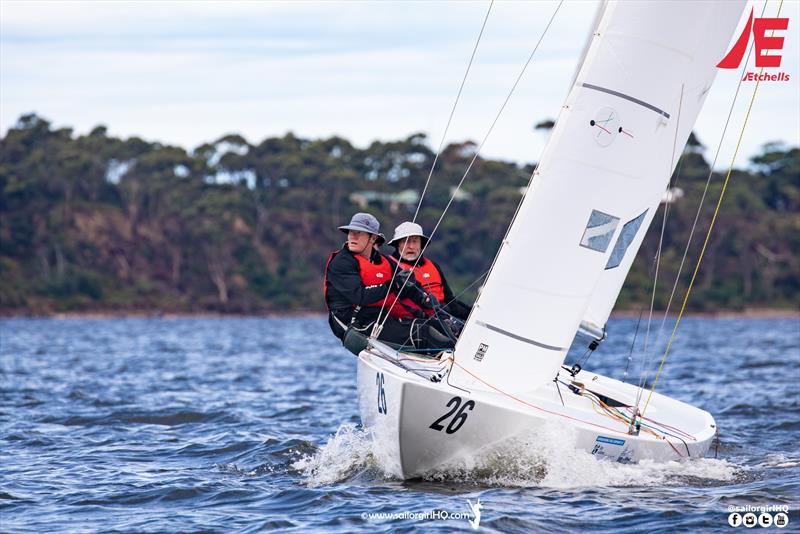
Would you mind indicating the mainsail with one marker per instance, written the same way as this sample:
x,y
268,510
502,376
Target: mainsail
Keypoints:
x,y
601,177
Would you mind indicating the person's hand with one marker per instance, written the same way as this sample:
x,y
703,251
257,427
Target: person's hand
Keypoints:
x,y
403,279
425,300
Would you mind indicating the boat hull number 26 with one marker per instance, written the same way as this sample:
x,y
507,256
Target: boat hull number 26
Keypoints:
x,y
379,380
458,412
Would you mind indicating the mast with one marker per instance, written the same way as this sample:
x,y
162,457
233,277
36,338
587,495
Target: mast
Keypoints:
x,y
597,187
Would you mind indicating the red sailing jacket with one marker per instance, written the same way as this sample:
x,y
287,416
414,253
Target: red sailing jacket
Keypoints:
x,y
429,278
372,274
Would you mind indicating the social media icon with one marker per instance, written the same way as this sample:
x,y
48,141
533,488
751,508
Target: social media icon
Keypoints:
x,y
749,519
735,519
765,519
781,520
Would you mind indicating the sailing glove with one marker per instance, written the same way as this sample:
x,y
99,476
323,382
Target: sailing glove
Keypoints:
x,y
404,281
406,285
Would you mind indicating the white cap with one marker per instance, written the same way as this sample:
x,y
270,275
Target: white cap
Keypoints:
x,y
408,229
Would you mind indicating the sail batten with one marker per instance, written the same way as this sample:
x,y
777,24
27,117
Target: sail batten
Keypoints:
x,y
626,97
597,187
518,337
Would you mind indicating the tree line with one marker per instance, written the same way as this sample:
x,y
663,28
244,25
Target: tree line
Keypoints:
x,y
96,223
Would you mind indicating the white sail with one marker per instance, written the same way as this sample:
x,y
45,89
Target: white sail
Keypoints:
x,y
599,181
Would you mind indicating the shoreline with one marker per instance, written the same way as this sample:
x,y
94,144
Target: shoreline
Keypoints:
x,y
753,313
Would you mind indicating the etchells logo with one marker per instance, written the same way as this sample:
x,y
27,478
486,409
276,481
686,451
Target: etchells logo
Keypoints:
x,y
758,27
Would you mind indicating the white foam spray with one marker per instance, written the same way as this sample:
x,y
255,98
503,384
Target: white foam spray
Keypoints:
x,y
544,458
346,453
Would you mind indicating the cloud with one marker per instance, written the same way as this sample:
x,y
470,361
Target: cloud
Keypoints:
x,y
186,73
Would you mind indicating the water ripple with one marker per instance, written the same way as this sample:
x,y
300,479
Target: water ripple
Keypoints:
x,y
250,424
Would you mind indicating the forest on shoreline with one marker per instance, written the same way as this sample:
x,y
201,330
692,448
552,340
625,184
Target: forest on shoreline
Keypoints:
x,y
97,224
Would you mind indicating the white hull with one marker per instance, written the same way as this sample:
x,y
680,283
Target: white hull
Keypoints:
x,y
420,426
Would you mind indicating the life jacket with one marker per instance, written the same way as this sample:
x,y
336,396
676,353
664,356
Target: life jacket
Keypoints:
x,y
429,278
371,275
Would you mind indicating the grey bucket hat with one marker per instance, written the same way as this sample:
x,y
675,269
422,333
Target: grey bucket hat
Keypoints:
x,y
364,222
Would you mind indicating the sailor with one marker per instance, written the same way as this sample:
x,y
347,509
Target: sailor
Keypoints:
x,y
358,288
409,241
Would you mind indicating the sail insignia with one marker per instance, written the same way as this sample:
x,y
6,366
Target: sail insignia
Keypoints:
x,y
605,126
599,231
629,230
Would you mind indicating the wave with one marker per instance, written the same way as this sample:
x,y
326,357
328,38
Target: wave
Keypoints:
x,y
778,460
162,418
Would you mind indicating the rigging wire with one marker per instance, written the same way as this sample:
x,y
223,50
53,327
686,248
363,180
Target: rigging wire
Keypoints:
x,y
379,322
455,298
660,247
650,279
633,344
708,234
452,112
705,191
696,218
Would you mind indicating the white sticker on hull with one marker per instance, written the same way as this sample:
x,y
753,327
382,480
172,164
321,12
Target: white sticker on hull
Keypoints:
x,y
612,448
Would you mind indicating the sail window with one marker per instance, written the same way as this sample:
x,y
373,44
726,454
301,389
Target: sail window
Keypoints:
x,y
599,231
624,240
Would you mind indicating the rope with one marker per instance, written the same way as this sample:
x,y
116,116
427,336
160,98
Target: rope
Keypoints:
x,y
708,235
653,430
379,323
531,405
526,403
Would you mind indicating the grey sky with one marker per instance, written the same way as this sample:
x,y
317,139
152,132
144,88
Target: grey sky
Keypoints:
x,y
189,72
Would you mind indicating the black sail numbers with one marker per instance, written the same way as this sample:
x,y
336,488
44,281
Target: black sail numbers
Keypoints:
x,y
458,412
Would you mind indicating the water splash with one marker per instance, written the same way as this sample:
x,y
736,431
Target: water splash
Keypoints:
x,y
346,453
543,458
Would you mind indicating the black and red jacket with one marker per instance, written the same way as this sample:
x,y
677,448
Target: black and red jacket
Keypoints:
x,y
351,280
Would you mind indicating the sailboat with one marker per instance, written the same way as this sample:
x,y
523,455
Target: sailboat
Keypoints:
x,y
644,75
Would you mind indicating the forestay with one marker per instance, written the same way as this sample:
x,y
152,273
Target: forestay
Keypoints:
x,y
597,187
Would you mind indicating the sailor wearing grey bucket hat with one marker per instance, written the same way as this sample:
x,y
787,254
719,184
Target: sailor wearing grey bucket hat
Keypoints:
x,y
360,288
366,223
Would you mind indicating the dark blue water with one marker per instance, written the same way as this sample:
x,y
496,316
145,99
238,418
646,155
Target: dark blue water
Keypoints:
x,y
154,425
